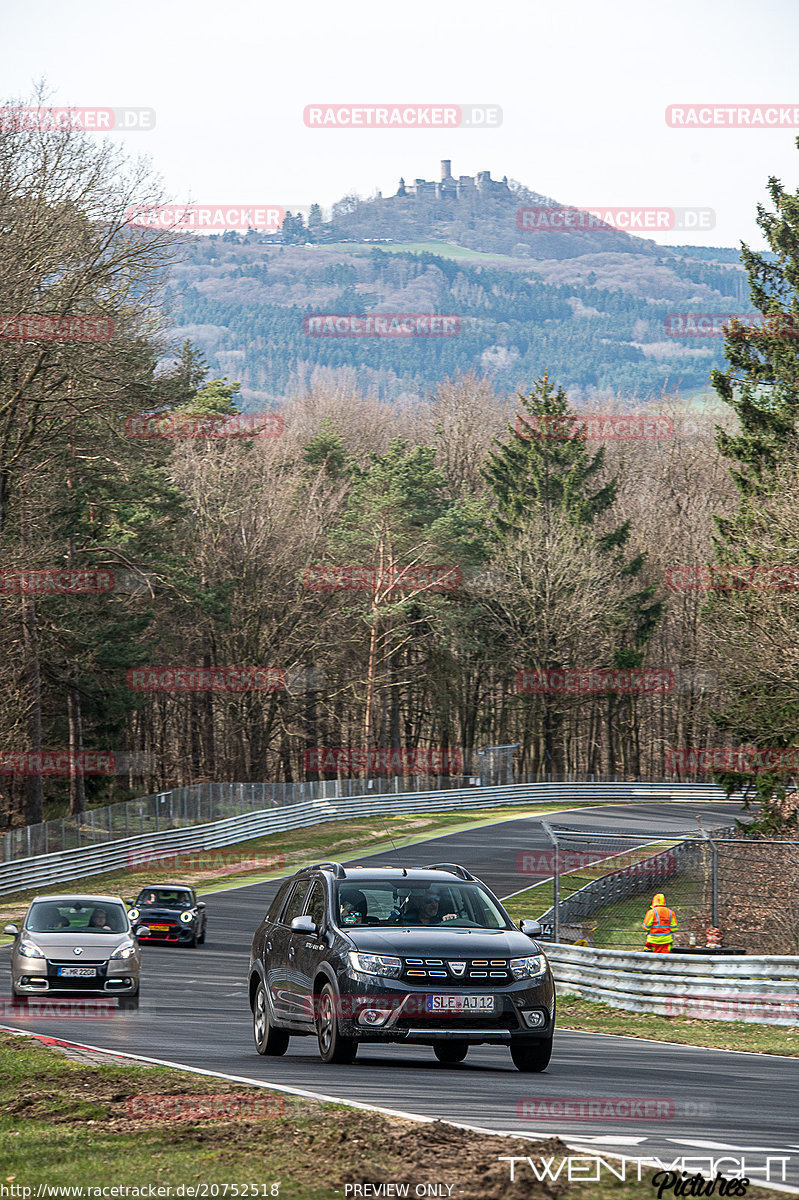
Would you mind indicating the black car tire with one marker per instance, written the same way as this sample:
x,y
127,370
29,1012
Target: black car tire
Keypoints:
x,y
532,1056
333,1048
450,1052
18,998
201,938
268,1040
129,1003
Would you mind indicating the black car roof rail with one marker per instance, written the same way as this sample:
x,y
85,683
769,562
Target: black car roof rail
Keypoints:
x,y
452,867
337,867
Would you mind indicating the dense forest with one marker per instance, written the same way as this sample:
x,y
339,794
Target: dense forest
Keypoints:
x,y
474,568
593,306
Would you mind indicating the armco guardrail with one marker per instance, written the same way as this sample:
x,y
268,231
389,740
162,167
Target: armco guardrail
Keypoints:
x,y
46,869
760,990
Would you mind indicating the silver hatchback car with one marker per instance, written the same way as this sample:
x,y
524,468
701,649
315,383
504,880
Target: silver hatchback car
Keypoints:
x,y
71,944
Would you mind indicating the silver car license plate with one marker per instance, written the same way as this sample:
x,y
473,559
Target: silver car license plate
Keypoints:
x,y
77,972
460,1004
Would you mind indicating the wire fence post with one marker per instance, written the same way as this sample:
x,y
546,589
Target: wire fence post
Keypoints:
x,y
555,882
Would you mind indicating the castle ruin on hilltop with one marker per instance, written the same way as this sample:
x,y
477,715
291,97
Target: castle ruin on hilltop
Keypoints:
x,y
448,187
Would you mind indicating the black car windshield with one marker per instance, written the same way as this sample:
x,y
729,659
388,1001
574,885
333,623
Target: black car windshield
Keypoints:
x,y
405,902
164,898
76,916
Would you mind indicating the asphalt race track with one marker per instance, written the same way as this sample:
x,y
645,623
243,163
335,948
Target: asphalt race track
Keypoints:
x,y
194,1012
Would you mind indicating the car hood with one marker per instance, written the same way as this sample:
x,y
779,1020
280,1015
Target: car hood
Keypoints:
x,y
441,942
94,945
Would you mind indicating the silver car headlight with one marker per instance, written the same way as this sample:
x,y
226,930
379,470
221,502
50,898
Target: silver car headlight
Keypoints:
x,y
375,964
186,917
528,968
30,950
126,950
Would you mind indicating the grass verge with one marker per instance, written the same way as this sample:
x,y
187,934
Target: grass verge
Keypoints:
x,y
588,1016
81,1124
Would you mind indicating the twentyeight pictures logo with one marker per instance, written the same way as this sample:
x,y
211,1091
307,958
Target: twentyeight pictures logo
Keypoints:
x,y
402,116
396,325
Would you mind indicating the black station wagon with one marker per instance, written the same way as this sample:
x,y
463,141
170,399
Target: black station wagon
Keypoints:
x,y
423,955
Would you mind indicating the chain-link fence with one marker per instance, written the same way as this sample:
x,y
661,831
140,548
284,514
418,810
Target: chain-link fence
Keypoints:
x,y
743,890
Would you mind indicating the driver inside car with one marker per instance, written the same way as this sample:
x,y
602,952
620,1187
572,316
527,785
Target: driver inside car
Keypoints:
x,y
352,907
425,909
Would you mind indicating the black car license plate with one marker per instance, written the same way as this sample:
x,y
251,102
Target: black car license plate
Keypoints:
x,y
455,1004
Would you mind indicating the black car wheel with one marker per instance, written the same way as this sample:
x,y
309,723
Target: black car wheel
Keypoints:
x,y
201,938
332,1046
532,1056
129,1003
450,1052
268,1040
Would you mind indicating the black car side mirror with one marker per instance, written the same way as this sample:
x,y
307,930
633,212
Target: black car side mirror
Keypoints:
x,y
200,904
531,928
303,925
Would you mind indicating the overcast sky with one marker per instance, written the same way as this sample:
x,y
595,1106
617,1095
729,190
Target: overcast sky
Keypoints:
x,y
583,87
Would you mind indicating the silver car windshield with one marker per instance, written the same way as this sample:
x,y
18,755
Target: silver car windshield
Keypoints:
x,y
76,916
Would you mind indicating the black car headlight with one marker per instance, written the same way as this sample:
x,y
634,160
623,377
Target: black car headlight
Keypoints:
x,y
186,917
528,968
375,964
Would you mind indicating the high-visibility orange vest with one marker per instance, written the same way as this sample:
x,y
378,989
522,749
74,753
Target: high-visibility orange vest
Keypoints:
x,y
659,923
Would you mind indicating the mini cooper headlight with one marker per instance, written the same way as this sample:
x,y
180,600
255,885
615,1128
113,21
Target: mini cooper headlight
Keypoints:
x,y
528,968
186,917
126,950
133,915
30,950
375,964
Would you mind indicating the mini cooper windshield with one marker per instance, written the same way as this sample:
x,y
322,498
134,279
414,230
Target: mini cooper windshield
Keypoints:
x,y
400,902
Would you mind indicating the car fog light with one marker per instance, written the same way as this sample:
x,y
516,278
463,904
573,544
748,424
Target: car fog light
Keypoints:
x,y
533,1019
373,1016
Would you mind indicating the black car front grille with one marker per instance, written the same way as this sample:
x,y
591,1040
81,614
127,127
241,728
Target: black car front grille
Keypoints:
x,y
487,972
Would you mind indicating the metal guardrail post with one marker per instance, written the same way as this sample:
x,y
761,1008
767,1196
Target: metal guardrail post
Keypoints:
x,y
555,882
